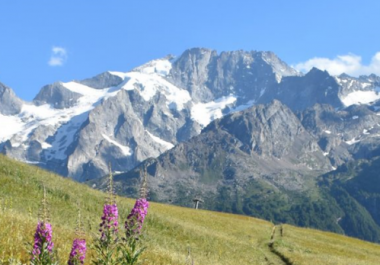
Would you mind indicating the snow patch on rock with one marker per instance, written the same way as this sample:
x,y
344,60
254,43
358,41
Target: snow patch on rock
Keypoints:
x,y
149,85
352,141
204,113
124,149
158,140
360,97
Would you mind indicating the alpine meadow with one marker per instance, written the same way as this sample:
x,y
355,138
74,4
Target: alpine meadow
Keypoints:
x,y
171,235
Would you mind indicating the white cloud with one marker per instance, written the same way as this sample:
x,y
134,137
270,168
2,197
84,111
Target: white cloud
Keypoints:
x,y
350,64
58,56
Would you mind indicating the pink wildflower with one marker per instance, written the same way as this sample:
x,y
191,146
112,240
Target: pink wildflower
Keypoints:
x,y
136,218
109,222
78,252
42,236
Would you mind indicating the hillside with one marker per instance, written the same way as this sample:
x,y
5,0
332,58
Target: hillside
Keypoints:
x,y
355,187
265,162
171,233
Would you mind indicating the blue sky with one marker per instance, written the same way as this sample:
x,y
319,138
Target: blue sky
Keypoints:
x,y
46,41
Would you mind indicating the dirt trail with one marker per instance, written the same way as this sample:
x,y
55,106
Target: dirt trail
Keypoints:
x,y
278,232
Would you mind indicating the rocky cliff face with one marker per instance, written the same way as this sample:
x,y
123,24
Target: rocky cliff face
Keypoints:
x,y
208,75
303,92
265,143
130,135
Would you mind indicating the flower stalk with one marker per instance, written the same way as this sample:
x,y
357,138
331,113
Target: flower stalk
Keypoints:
x,y
42,252
106,245
79,248
129,246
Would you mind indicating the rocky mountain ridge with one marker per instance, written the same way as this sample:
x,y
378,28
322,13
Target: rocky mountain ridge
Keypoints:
x,y
77,128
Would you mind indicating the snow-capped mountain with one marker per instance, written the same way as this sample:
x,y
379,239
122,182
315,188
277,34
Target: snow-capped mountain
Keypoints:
x,y
77,128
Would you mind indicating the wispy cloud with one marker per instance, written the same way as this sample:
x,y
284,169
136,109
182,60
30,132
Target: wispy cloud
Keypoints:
x,y
350,64
58,56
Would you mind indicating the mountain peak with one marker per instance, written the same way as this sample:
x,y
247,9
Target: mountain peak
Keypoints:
x,y
10,104
103,80
344,75
160,67
317,71
208,75
57,95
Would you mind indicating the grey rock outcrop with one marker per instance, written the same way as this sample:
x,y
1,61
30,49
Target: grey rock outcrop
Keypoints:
x,y
57,95
10,104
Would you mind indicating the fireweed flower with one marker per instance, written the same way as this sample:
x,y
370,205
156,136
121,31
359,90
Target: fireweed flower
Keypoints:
x,y
130,248
109,224
78,252
42,237
136,218
107,245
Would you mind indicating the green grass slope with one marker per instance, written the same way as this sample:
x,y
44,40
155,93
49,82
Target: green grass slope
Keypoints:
x,y
173,235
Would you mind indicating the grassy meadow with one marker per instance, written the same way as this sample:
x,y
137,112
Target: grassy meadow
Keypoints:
x,y
172,235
